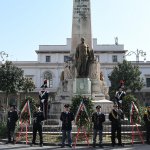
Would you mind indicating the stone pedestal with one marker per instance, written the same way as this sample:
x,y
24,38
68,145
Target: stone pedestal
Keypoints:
x,y
82,86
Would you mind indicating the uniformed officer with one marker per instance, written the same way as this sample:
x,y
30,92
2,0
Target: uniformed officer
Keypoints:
x,y
98,118
147,124
38,117
119,97
66,117
11,123
43,96
115,117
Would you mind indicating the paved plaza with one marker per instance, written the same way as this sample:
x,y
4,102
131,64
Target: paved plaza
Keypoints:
x,y
27,147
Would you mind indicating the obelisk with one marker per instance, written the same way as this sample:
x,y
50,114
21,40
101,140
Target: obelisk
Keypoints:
x,y
81,23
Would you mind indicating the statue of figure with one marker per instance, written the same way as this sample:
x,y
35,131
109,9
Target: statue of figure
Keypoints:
x,y
116,40
101,76
82,55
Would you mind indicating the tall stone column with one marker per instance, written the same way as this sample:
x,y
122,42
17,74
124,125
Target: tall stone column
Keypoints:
x,y
81,23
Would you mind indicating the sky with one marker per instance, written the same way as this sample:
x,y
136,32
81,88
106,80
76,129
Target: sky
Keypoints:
x,y
26,24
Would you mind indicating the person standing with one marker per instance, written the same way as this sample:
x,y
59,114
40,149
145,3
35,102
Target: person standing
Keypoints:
x,y
115,117
66,117
147,124
11,124
43,97
98,118
38,117
119,96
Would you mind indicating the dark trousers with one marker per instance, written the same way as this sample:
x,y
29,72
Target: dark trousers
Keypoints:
x,y
66,133
148,133
95,131
115,129
11,133
37,127
44,108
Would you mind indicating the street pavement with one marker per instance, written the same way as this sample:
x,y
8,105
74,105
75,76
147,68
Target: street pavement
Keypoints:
x,y
28,147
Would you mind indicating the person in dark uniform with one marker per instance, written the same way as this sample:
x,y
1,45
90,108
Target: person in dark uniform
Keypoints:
x,y
115,117
11,124
38,117
119,96
98,118
66,117
43,96
147,124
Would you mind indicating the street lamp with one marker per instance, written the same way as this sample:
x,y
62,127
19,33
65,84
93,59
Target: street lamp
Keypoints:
x,y
2,55
137,54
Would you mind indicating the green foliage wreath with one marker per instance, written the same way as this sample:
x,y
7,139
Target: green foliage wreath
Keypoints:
x,y
82,118
25,116
126,106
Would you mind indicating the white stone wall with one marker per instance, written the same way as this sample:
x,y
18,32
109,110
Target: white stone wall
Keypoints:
x,y
37,68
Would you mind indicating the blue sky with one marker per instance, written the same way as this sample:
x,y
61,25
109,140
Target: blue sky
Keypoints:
x,y
26,24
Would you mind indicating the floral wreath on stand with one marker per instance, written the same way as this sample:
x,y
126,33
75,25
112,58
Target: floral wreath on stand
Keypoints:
x,y
82,107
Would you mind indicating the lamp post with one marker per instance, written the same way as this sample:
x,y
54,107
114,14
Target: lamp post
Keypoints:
x,y
2,55
137,53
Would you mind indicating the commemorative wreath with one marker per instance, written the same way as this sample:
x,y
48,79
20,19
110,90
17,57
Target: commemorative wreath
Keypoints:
x,y
82,107
27,108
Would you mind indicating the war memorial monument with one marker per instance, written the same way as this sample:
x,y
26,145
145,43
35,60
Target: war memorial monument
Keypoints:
x,y
82,74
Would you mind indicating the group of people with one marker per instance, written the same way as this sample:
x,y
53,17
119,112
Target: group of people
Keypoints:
x,y
98,118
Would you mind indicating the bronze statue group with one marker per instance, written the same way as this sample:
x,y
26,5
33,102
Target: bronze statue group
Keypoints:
x,y
98,118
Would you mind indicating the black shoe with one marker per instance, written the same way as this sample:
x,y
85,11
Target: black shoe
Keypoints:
x,y
8,142
94,145
100,145
70,145
62,146
120,144
32,144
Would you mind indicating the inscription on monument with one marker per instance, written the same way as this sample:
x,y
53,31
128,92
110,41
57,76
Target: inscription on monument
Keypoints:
x,y
81,9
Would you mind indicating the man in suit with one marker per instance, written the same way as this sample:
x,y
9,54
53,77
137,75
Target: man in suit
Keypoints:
x,y
12,118
115,117
38,117
147,124
98,118
66,117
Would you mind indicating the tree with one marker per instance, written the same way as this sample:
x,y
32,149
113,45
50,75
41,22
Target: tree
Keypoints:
x,y
127,72
11,78
28,85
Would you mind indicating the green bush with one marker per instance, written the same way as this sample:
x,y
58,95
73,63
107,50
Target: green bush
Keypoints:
x,y
126,104
3,130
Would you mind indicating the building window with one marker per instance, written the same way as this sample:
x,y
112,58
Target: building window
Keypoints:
x,y
148,82
66,58
97,58
48,77
114,58
48,58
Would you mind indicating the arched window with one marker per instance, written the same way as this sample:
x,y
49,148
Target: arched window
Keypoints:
x,y
49,78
